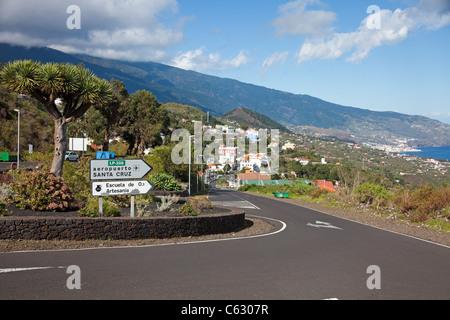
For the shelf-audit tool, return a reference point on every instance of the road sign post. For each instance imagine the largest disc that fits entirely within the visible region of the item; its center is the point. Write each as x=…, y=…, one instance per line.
x=114, y=177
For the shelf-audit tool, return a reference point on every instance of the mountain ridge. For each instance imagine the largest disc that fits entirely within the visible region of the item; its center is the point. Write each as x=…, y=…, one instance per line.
x=221, y=95
x=253, y=119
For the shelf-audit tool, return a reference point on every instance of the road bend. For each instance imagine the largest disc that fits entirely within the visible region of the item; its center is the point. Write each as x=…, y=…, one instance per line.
x=309, y=255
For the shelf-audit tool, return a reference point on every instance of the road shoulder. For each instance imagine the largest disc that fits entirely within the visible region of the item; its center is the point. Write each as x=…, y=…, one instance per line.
x=372, y=219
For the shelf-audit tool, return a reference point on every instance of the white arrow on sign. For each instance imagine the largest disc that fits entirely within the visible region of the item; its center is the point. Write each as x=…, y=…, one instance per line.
x=320, y=224
x=121, y=188
x=118, y=169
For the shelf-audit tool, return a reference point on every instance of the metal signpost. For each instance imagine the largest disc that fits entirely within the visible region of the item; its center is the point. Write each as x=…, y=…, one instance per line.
x=123, y=174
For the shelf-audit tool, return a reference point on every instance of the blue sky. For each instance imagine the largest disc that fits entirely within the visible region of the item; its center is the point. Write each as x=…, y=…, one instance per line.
x=333, y=50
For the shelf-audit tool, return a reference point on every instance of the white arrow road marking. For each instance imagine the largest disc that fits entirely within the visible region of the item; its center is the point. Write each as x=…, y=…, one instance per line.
x=9, y=270
x=236, y=204
x=320, y=224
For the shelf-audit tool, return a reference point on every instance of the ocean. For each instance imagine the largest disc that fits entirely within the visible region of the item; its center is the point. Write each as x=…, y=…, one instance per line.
x=441, y=153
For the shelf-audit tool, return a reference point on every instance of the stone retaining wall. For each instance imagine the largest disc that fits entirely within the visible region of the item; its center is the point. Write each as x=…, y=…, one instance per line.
x=74, y=228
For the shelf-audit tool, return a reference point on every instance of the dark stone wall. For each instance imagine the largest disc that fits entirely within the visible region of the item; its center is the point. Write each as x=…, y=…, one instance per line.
x=51, y=228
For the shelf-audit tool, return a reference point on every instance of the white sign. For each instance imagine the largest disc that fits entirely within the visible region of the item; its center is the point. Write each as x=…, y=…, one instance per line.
x=121, y=188
x=77, y=144
x=115, y=169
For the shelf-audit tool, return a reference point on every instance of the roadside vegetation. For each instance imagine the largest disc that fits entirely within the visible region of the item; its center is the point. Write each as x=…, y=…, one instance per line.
x=88, y=107
x=424, y=205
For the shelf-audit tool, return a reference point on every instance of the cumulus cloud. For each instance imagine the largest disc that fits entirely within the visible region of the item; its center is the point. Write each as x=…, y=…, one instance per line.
x=394, y=27
x=127, y=29
x=200, y=60
x=295, y=19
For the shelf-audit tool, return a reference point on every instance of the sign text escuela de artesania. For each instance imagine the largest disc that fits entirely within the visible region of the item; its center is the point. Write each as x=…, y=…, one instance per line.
x=120, y=188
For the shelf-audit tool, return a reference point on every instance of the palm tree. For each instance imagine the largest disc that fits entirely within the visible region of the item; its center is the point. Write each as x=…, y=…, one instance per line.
x=66, y=91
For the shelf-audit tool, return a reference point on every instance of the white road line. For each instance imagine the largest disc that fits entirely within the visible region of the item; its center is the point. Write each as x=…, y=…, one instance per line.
x=236, y=204
x=283, y=227
x=246, y=201
x=10, y=270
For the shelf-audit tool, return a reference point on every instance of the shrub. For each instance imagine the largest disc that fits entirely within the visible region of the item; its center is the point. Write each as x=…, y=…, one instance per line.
x=42, y=191
x=167, y=202
x=302, y=189
x=142, y=202
x=423, y=202
x=90, y=209
x=76, y=176
x=187, y=209
x=404, y=201
x=200, y=204
x=164, y=181
x=245, y=187
x=5, y=178
x=6, y=194
x=372, y=194
x=317, y=192
x=195, y=205
x=2, y=208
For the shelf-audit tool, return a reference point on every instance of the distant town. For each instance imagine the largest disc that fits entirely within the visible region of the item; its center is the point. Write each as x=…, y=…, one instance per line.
x=255, y=168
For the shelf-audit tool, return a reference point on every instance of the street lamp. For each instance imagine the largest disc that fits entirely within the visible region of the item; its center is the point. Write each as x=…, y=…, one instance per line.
x=196, y=160
x=18, y=136
x=189, y=181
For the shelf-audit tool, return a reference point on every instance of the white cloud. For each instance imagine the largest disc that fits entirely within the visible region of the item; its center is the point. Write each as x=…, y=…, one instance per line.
x=276, y=59
x=126, y=29
x=159, y=37
x=395, y=27
x=200, y=60
x=295, y=19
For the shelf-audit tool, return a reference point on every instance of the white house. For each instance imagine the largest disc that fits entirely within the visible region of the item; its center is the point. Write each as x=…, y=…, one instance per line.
x=258, y=162
x=227, y=154
x=288, y=145
x=302, y=161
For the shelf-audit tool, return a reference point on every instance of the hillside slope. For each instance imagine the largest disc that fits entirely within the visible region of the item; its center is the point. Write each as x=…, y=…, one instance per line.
x=253, y=119
x=219, y=96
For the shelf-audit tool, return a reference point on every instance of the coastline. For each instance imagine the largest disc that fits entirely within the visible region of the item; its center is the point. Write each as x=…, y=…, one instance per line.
x=437, y=153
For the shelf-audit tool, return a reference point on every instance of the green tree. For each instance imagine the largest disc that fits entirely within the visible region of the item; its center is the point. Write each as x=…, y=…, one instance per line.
x=227, y=168
x=101, y=122
x=66, y=91
x=161, y=162
x=143, y=122
x=110, y=112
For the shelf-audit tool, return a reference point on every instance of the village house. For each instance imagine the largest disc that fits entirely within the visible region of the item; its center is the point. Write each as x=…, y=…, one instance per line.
x=326, y=185
x=302, y=161
x=258, y=162
x=242, y=177
x=227, y=155
x=288, y=145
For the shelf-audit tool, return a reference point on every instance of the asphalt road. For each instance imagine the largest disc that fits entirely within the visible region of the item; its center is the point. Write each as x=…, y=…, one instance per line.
x=6, y=166
x=310, y=255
